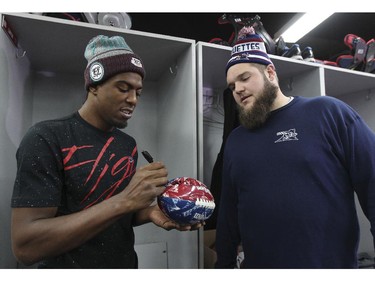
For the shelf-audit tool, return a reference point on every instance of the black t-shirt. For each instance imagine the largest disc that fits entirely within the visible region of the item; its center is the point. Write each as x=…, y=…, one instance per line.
x=69, y=164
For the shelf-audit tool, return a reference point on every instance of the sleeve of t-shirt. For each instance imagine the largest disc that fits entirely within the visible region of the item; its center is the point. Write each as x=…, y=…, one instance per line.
x=39, y=175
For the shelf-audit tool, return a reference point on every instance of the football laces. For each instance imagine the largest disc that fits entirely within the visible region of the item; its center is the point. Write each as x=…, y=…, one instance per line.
x=205, y=203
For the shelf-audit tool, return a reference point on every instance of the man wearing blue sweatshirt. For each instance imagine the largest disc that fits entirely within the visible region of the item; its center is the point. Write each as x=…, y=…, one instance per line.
x=290, y=172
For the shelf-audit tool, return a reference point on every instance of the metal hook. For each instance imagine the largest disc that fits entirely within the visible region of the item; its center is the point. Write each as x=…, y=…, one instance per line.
x=20, y=55
x=173, y=69
x=290, y=84
x=368, y=95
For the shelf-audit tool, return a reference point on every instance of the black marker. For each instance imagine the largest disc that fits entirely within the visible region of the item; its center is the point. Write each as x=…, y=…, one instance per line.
x=147, y=156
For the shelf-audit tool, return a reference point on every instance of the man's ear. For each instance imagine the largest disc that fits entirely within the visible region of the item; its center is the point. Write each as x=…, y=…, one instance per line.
x=271, y=72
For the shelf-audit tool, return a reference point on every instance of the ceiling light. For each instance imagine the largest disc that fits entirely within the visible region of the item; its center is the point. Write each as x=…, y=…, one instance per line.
x=300, y=25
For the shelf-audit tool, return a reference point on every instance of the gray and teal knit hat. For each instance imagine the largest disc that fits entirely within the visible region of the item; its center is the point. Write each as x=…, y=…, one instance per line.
x=108, y=56
x=249, y=48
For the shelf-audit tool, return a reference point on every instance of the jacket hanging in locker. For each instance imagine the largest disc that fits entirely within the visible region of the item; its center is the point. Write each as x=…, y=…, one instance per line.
x=230, y=122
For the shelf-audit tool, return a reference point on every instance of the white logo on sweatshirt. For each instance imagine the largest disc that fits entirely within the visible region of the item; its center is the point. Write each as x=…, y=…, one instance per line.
x=289, y=135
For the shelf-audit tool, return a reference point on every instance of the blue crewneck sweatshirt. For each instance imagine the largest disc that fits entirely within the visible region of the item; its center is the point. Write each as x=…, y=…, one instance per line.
x=288, y=188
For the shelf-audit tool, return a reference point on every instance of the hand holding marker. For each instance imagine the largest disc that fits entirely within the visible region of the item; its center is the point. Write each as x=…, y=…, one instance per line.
x=147, y=156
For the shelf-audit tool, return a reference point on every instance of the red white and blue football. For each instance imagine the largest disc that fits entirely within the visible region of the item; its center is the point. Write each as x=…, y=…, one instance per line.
x=186, y=201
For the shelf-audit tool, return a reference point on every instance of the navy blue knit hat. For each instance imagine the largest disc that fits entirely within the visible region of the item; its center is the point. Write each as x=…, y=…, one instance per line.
x=108, y=56
x=249, y=48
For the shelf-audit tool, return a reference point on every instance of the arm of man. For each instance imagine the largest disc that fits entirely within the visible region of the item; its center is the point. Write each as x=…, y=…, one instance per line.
x=362, y=168
x=37, y=233
x=227, y=229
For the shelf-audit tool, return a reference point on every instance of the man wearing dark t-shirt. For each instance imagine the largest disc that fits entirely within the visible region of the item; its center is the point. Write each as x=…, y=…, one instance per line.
x=77, y=193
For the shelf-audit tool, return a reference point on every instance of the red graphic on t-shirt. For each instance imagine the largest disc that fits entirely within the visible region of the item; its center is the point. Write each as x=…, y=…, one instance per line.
x=124, y=165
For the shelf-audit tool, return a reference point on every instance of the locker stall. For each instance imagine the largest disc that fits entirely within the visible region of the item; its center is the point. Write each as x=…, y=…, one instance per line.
x=296, y=78
x=42, y=78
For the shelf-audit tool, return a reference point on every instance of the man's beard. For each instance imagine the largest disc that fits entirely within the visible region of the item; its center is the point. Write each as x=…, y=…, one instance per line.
x=121, y=125
x=259, y=112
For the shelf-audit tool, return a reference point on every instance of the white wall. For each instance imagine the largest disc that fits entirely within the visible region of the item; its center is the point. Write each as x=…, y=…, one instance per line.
x=14, y=90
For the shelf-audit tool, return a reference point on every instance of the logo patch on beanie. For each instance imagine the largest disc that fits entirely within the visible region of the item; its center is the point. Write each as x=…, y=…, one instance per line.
x=96, y=71
x=136, y=62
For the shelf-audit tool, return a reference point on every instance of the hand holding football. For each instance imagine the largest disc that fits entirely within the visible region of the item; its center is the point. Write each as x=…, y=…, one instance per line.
x=186, y=201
